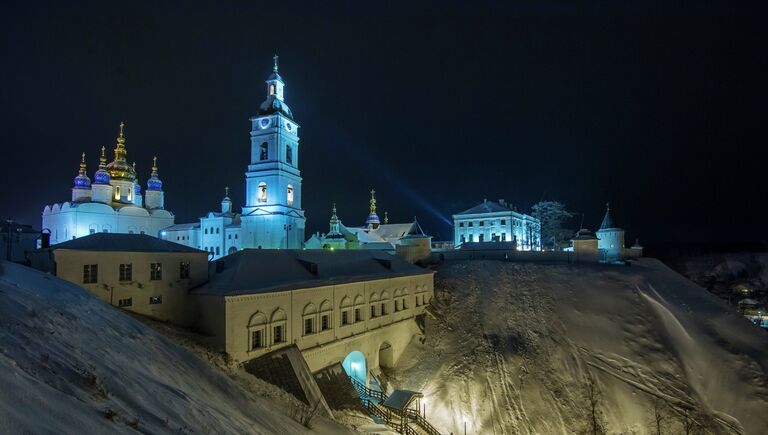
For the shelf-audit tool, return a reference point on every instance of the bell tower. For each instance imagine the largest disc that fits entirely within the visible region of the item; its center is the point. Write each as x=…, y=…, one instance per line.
x=272, y=217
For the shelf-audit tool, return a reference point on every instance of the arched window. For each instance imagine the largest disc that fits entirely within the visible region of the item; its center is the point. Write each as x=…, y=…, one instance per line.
x=257, y=331
x=289, y=154
x=264, y=153
x=262, y=192
x=309, y=319
x=272, y=89
x=231, y=250
x=278, y=323
x=326, y=321
x=117, y=193
x=217, y=250
x=290, y=194
x=206, y=231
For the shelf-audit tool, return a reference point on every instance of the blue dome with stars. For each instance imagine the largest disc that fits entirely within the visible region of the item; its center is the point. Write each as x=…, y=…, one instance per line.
x=102, y=175
x=154, y=182
x=82, y=181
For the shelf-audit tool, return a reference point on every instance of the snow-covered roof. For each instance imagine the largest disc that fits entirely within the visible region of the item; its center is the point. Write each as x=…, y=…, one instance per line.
x=400, y=399
x=485, y=207
x=252, y=271
x=608, y=221
x=122, y=243
x=183, y=227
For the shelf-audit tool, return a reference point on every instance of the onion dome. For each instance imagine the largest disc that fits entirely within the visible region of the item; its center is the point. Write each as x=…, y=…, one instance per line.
x=335, y=226
x=82, y=181
x=119, y=169
x=154, y=182
x=274, y=102
x=373, y=218
x=102, y=175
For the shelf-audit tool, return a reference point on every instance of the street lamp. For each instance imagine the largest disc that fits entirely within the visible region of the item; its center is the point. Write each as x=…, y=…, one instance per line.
x=287, y=228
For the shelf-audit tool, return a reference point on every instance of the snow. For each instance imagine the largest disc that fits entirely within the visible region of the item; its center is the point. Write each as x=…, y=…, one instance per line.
x=70, y=363
x=511, y=346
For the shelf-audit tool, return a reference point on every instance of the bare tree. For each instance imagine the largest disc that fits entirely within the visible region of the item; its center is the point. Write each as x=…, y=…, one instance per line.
x=593, y=398
x=659, y=416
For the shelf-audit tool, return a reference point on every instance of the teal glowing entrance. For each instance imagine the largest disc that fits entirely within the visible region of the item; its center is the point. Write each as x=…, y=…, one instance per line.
x=354, y=365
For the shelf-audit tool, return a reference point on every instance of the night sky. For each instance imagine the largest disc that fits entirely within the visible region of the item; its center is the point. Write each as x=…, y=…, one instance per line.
x=660, y=110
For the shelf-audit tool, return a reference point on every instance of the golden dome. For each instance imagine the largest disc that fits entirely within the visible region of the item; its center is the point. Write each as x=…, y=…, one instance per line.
x=119, y=168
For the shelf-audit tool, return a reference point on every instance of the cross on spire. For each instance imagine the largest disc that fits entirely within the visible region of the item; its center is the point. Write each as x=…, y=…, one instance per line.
x=274, y=58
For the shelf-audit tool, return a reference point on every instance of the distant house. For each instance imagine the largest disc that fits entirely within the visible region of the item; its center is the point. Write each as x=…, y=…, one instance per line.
x=136, y=272
x=17, y=240
x=492, y=221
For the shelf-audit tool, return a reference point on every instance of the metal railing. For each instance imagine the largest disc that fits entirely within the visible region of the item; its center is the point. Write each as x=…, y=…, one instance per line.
x=397, y=420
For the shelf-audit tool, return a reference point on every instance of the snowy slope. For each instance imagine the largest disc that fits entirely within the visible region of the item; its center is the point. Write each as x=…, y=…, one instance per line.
x=513, y=345
x=72, y=364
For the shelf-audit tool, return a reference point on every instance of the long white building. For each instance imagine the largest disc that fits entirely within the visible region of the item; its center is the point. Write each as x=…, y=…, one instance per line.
x=492, y=221
x=112, y=203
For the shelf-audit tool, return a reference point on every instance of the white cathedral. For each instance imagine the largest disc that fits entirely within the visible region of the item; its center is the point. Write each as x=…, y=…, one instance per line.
x=272, y=217
x=112, y=203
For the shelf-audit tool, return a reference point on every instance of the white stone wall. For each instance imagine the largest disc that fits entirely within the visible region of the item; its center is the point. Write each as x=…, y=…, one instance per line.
x=71, y=220
x=403, y=298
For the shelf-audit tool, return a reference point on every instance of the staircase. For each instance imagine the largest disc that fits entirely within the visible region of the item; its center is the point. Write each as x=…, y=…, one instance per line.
x=400, y=421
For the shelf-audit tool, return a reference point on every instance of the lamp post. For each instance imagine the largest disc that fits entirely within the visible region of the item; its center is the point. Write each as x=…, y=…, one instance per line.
x=287, y=228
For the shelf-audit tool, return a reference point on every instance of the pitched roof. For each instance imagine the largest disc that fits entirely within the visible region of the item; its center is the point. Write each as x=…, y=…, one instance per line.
x=486, y=207
x=608, y=221
x=122, y=243
x=182, y=227
x=253, y=271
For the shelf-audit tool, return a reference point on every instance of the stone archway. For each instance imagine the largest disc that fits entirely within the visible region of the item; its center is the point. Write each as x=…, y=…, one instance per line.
x=354, y=365
x=386, y=355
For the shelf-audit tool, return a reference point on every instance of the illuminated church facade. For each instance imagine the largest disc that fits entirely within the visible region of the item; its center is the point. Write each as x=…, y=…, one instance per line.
x=272, y=217
x=110, y=203
x=375, y=234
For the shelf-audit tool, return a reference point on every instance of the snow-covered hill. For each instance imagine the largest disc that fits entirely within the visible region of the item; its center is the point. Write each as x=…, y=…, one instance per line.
x=71, y=364
x=512, y=349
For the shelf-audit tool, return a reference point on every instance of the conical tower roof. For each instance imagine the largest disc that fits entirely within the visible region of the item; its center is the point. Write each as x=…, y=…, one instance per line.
x=608, y=219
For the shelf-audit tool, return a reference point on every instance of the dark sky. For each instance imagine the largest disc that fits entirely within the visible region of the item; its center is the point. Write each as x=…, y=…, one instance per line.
x=658, y=109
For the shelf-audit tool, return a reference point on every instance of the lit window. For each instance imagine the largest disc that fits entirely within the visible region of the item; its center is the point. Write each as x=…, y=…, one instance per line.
x=290, y=194
x=117, y=192
x=262, y=192
x=154, y=300
x=130, y=194
x=155, y=271
x=272, y=89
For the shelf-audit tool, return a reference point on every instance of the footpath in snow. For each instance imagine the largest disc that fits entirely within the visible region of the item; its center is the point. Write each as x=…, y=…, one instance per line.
x=512, y=347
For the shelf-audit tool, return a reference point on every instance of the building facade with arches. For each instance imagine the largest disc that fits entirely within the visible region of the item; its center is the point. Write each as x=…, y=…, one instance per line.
x=327, y=303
